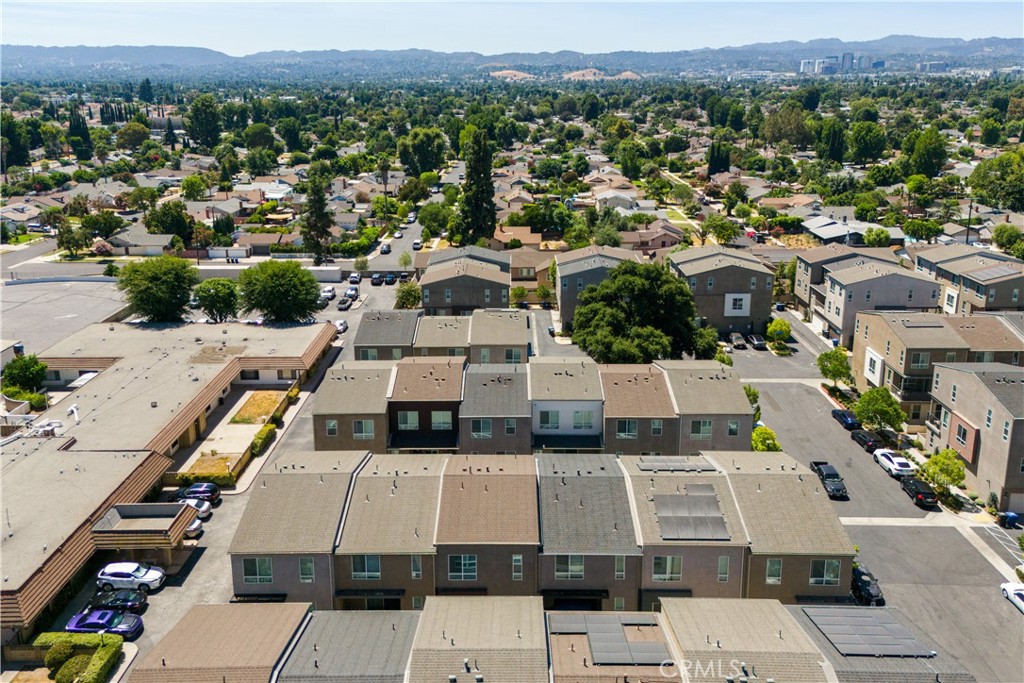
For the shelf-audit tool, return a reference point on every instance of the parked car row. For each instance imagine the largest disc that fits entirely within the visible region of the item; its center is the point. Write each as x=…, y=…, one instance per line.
x=756, y=341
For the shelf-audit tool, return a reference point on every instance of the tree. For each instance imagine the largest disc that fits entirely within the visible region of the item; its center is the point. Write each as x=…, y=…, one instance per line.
x=283, y=291
x=718, y=158
x=132, y=135
x=477, y=217
x=544, y=293
x=53, y=139
x=72, y=239
x=754, y=398
x=867, y=142
x=877, y=408
x=317, y=223
x=203, y=121
x=640, y=312
x=158, y=288
x=764, y=440
x=102, y=224
x=1006, y=235
x=146, y=91
x=260, y=161
x=990, y=132
x=717, y=225
x=834, y=365
x=705, y=343
x=218, y=298
x=945, y=469
x=778, y=331
x=422, y=150
x=930, y=153
x=361, y=264
x=407, y=295
x=877, y=237
x=194, y=188
x=258, y=135
x=519, y=294
x=922, y=229
x=1000, y=181
x=404, y=260
x=630, y=153
x=607, y=236
x=787, y=124
x=170, y=218
x=291, y=132
x=25, y=372
x=435, y=217
x=831, y=140
x=735, y=194
x=141, y=198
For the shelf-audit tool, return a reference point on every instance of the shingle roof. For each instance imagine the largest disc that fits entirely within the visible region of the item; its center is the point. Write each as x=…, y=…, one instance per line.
x=705, y=387
x=436, y=331
x=1003, y=381
x=387, y=328
x=632, y=390
x=613, y=253
x=217, y=643
x=428, y=379
x=297, y=509
x=502, y=637
x=584, y=506
x=474, y=253
x=874, y=270
x=495, y=390
x=461, y=268
x=355, y=388
x=705, y=259
x=564, y=379
x=492, y=327
x=489, y=499
x=987, y=332
x=917, y=330
x=353, y=647
x=394, y=506
x=586, y=264
x=762, y=634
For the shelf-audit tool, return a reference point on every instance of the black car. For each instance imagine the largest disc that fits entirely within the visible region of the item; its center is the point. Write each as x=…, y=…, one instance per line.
x=390, y=279
x=121, y=600
x=199, y=491
x=323, y=302
x=551, y=331
x=869, y=441
x=344, y=303
x=403, y=277
x=923, y=494
x=376, y=279
x=865, y=587
x=846, y=418
x=385, y=248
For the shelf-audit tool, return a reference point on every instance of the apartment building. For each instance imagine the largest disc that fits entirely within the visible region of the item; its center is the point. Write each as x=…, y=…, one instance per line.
x=580, y=268
x=567, y=405
x=973, y=280
x=811, y=265
x=461, y=286
x=386, y=335
x=731, y=289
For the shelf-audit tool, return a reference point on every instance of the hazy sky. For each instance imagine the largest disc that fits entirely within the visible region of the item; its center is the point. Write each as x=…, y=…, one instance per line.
x=240, y=27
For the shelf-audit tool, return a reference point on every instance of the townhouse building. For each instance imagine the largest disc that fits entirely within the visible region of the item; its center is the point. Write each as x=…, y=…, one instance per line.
x=386, y=335
x=808, y=289
x=495, y=413
x=567, y=405
x=580, y=268
x=973, y=280
x=731, y=289
x=423, y=405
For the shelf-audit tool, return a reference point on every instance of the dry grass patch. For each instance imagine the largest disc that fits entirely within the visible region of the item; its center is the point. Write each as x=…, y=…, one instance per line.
x=259, y=407
x=801, y=241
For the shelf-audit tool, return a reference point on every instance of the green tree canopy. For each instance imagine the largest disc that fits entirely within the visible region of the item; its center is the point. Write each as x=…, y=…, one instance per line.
x=158, y=288
x=831, y=140
x=317, y=222
x=944, y=469
x=1000, y=181
x=25, y=372
x=258, y=135
x=477, y=217
x=764, y=440
x=203, y=121
x=194, y=188
x=218, y=298
x=103, y=224
x=867, y=142
x=834, y=365
x=422, y=150
x=877, y=237
x=407, y=295
x=930, y=153
x=778, y=330
x=170, y=218
x=639, y=313
x=754, y=397
x=132, y=135
x=283, y=291
x=922, y=229
x=1006, y=235
x=877, y=408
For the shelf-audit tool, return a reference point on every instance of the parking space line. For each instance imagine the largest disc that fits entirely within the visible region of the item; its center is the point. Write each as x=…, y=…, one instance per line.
x=1006, y=541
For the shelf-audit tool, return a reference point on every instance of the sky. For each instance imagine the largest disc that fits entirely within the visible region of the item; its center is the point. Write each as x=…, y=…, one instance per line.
x=240, y=27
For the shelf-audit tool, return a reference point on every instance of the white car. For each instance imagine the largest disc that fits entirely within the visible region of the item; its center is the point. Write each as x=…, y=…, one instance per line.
x=1014, y=592
x=194, y=529
x=328, y=292
x=141, y=577
x=398, y=234
x=202, y=507
x=341, y=326
x=894, y=463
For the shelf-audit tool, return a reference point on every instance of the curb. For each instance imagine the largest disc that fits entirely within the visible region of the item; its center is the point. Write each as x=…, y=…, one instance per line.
x=130, y=652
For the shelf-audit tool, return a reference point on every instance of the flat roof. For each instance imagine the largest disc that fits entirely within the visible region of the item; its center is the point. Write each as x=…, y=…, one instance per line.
x=564, y=379
x=451, y=331
x=348, y=647
x=428, y=379
x=488, y=499
x=211, y=643
x=495, y=390
x=502, y=637
x=394, y=506
x=41, y=314
x=496, y=327
x=355, y=387
x=387, y=328
x=636, y=390
x=705, y=387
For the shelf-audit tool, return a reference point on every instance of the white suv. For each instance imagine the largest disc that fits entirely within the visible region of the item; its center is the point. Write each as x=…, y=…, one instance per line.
x=142, y=577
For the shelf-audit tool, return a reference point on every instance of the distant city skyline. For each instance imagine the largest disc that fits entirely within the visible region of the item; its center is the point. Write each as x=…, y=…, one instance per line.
x=240, y=28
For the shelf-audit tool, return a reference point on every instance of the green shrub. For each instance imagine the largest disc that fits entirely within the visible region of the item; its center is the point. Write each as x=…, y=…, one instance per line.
x=293, y=394
x=60, y=652
x=220, y=478
x=103, y=662
x=263, y=439
x=36, y=401
x=73, y=668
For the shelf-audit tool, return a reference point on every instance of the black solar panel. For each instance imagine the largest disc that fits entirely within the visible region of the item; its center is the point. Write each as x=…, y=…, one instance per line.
x=866, y=632
x=606, y=636
x=693, y=516
x=670, y=464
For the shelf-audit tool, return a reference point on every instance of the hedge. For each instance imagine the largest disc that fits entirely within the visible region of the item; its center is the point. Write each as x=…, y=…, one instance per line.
x=103, y=660
x=72, y=671
x=263, y=439
x=293, y=394
x=57, y=655
x=36, y=401
x=221, y=476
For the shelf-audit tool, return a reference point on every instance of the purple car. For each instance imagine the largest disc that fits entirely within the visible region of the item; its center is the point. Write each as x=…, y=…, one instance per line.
x=108, y=621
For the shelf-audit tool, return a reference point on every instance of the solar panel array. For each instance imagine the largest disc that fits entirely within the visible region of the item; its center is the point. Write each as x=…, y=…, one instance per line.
x=665, y=464
x=693, y=516
x=606, y=636
x=866, y=632
x=993, y=272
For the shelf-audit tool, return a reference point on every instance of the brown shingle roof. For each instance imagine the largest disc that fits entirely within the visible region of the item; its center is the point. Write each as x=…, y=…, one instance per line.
x=489, y=499
x=631, y=390
x=428, y=379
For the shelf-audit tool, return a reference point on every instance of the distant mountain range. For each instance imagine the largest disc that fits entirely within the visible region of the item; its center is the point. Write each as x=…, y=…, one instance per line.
x=25, y=61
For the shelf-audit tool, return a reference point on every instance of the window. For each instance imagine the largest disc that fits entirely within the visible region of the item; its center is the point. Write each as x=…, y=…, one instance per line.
x=872, y=365
x=366, y=566
x=902, y=356
x=887, y=345
x=952, y=394
x=945, y=417
x=408, y=420
x=417, y=602
x=984, y=356
x=287, y=374
x=1022, y=464
x=417, y=566
x=711, y=283
x=1006, y=431
x=306, y=571
x=773, y=572
x=910, y=295
x=362, y=429
x=583, y=419
x=367, y=354
x=1015, y=295
x=454, y=353
x=915, y=411
x=440, y=420
x=620, y=567
x=513, y=356
x=961, y=435
x=768, y=283
x=657, y=427
x=53, y=375
x=856, y=326
x=937, y=378
x=723, y=568
x=867, y=295
x=950, y=299
x=517, y=567
x=257, y=570
x=693, y=283
x=619, y=603
x=480, y=428
x=700, y=429
x=504, y=296
x=447, y=296
x=849, y=295
x=935, y=294
x=992, y=294
x=485, y=355
x=332, y=427
x=737, y=303
x=734, y=427
x=988, y=419
x=565, y=283
x=667, y=568
x=549, y=419
x=825, y=572
x=1015, y=359
x=753, y=283
x=250, y=374
x=866, y=326
x=579, y=283
x=950, y=356
x=462, y=567
x=919, y=360
x=426, y=295
x=626, y=429
x=396, y=354
x=568, y=566
x=510, y=426
x=487, y=296
x=838, y=313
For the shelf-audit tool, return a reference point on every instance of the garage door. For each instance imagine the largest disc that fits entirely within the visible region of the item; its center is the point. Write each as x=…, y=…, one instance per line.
x=1016, y=502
